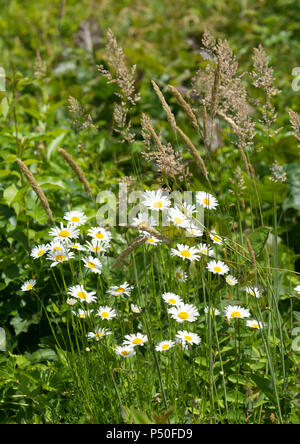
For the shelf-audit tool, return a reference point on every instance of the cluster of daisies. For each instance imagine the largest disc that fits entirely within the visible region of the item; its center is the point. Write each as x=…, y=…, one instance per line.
x=64, y=243
x=183, y=218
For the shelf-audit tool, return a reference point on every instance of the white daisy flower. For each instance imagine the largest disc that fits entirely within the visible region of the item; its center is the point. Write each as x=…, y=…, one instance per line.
x=236, y=311
x=297, y=289
x=135, y=339
x=254, y=324
x=206, y=200
x=39, y=251
x=181, y=344
x=75, y=218
x=231, y=280
x=135, y=308
x=212, y=311
x=59, y=256
x=98, y=334
x=254, y=291
x=99, y=234
x=76, y=246
x=142, y=218
x=64, y=234
x=121, y=290
x=172, y=298
x=28, y=285
x=177, y=218
x=205, y=250
x=152, y=240
x=106, y=313
x=96, y=247
x=82, y=314
x=164, y=346
x=155, y=200
x=193, y=231
x=180, y=274
x=187, y=209
x=185, y=252
x=55, y=246
x=184, y=312
x=188, y=337
x=71, y=301
x=93, y=264
x=78, y=291
x=217, y=267
x=125, y=351
x=216, y=238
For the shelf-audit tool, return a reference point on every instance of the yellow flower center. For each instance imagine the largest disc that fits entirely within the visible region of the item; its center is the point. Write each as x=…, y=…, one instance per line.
x=206, y=201
x=125, y=352
x=218, y=269
x=188, y=338
x=255, y=326
x=217, y=238
x=204, y=251
x=91, y=265
x=165, y=346
x=120, y=290
x=75, y=219
x=172, y=301
x=235, y=314
x=99, y=235
x=99, y=335
x=185, y=253
x=74, y=246
x=183, y=315
x=178, y=220
x=137, y=341
x=64, y=233
x=57, y=248
x=104, y=314
x=251, y=292
x=178, y=275
x=157, y=204
x=29, y=287
x=39, y=253
x=81, y=295
x=151, y=240
x=97, y=249
x=60, y=257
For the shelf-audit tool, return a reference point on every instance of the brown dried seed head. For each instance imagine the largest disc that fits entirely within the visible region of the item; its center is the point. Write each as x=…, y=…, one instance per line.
x=36, y=188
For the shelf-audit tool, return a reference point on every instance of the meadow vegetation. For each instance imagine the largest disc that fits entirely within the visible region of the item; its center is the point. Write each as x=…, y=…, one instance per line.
x=187, y=311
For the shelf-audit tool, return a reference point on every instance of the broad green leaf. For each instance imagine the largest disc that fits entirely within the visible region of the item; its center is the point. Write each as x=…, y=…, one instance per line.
x=266, y=386
x=10, y=194
x=5, y=173
x=44, y=354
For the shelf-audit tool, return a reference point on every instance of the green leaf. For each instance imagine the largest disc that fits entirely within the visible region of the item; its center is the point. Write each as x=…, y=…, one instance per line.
x=4, y=173
x=10, y=194
x=258, y=239
x=21, y=325
x=266, y=386
x=43, y=354
x=54, y=144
